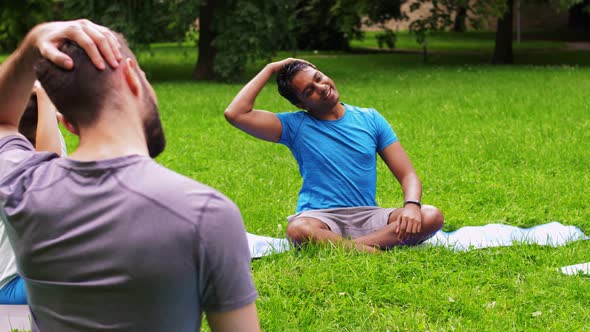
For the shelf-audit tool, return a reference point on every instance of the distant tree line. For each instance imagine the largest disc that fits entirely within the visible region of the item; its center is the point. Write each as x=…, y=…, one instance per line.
x=232, y=32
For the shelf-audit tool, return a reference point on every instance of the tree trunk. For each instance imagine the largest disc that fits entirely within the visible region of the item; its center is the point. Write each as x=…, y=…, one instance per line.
x=503, y=48
x=459, y=25
x=579, y=18
x=204, y=68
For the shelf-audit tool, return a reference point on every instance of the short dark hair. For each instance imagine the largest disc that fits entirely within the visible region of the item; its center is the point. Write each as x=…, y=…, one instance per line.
x=28, y=122
x=80, y=93
x=285, y=78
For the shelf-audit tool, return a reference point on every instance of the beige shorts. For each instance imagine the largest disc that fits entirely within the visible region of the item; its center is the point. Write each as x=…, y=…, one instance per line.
x=350, y=222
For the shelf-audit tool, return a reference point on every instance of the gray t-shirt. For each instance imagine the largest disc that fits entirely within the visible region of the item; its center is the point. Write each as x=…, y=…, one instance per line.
x=122, y=244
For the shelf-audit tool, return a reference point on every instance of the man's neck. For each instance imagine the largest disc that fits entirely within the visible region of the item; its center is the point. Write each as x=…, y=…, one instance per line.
x=111, y=139
x=335, y=113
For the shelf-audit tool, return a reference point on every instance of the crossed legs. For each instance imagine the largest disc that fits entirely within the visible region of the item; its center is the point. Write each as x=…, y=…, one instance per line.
x=305, y=229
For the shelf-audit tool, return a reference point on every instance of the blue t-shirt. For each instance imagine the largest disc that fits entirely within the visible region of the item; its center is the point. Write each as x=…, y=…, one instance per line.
x=337, y=158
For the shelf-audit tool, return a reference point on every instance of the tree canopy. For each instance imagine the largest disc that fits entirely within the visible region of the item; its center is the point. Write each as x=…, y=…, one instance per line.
x=233, y=32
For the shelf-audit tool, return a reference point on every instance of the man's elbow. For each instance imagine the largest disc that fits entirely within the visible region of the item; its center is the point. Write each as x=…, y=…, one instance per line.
x=230, y=116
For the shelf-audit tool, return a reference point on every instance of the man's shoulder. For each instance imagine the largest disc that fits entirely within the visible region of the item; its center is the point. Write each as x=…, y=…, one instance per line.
x=17, y=153
x=172, y=189
x=156, y=176
x=292, y=115
x=15, y=142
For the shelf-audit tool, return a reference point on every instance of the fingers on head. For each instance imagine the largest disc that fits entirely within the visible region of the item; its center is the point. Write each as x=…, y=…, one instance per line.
x=54, y=55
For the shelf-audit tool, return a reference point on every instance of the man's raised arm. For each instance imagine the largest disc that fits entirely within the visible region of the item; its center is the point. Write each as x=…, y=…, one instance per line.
x=241, y=113
x=17, y=73
x=48, y=137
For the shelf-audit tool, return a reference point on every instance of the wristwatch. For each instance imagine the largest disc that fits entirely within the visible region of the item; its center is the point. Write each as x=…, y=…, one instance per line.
x=413, y=202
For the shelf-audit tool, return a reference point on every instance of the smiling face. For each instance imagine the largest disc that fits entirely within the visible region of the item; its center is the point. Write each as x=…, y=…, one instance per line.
x=317, y=92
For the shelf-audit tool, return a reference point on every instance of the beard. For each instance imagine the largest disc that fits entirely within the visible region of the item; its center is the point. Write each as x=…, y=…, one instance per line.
x=154, y=133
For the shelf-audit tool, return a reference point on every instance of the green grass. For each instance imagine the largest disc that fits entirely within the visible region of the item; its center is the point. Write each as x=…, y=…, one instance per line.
x=491, y=145
x=448, y=41
x=506, y=144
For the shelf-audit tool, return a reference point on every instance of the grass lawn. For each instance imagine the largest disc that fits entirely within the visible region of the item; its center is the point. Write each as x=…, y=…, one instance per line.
x=505, y=144
x=491, y=144
x=449, y=41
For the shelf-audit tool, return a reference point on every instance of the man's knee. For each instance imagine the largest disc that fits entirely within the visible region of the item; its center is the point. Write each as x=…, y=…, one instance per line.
x=301, y=230
x=432, y=218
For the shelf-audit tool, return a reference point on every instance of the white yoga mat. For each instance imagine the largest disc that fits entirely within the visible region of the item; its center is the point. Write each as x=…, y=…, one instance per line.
x=264, y=245
x=465, y=238
x=15, y=317
x=498, y=235
x=583, y=268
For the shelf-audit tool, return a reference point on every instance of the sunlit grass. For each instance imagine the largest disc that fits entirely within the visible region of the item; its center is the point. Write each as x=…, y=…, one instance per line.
x=491, y=145
x=449, y=41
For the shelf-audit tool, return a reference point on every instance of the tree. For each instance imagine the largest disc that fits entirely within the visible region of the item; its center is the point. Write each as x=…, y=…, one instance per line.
x=326, y=24
x=579, y=16
x=331, y=24
x=18, y=17
x=166, y=20
x=476, y=12
x=443, y=14
x=378, y=12
x=204, y=67
x=244, y=30
x=503, y=53
x=231, y=31
x=460, y=19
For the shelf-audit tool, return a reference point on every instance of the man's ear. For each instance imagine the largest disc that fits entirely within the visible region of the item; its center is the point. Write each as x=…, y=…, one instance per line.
x=70, y=126
x=131, y=76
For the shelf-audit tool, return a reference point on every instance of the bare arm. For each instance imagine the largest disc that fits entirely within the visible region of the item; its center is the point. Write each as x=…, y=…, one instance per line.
x=244, y=319
x=17, y=73
x=16, y=80
x=47, y=137
x=397, y=160
x=241, y=113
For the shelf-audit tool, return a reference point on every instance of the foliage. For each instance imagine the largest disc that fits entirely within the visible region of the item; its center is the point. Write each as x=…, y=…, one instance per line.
x=441, y=13
x=378, y=12
x=326, y=24
x=142, y=22
x=386, y=38
x=249, y=30
x=331, y=25
x=18, y=17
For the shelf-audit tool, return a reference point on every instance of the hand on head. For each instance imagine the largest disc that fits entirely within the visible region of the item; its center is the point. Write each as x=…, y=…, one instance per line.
x=98, y=42
x=278, y=65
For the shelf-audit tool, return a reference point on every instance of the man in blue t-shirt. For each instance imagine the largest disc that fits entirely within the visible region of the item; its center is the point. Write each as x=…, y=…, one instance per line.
x=335, y=145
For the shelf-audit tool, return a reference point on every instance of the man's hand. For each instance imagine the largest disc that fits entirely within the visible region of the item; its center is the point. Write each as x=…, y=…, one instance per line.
x=258, y=123
x=17, y=73
x=409, y=222
x=276, y=66
x=99, y=42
